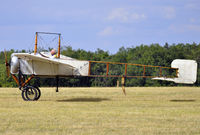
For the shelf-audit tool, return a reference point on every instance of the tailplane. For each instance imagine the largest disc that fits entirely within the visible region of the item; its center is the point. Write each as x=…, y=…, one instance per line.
x=187, y=71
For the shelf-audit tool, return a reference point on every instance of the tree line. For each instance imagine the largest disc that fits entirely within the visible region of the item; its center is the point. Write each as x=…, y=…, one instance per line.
x=153, y=54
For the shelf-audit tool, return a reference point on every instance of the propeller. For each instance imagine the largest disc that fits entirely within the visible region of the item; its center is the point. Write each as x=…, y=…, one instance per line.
x=7, y=64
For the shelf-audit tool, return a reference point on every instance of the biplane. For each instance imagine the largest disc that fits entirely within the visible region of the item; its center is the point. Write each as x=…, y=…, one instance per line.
x=23, y=67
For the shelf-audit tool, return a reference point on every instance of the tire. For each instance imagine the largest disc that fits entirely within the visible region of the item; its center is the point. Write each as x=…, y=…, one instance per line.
x=31, y=93
x=38, y=93
x=24, y=95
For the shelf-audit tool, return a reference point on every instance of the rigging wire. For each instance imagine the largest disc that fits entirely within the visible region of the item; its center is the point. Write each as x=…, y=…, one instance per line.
x=31, y=45
x=64, y=44
x=46, y=43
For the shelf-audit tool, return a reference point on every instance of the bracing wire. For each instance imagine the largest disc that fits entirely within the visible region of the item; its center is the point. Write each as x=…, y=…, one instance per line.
x=53, y=40
x=44, y=44
x=63, y=42
x=31, y=45
x=47, y=43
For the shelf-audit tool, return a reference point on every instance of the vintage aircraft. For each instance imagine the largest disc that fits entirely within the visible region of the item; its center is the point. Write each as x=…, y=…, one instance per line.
x=41, y=64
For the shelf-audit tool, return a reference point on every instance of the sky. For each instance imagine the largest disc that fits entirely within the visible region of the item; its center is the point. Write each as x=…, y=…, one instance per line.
x=104, y=24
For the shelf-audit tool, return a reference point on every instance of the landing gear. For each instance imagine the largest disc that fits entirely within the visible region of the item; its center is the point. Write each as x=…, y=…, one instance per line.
x=38, y=93
x=30, y=93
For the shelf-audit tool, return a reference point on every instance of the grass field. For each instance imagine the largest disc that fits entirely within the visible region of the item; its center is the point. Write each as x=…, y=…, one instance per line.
x=145, y=110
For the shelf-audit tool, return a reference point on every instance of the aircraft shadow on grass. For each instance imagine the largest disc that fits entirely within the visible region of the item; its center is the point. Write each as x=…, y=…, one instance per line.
x=182, y=100
x=83, y=100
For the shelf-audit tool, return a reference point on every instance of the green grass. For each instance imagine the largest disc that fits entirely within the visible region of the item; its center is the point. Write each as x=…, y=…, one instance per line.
x=145, y=110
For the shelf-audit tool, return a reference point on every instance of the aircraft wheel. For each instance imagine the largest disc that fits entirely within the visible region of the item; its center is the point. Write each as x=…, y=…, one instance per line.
x=38, y=93
x=30, y=93
x=24, y=96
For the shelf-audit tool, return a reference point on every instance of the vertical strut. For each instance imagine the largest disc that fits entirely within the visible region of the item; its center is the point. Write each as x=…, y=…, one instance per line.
x=57, y=83
x=144, y=72
x=59, y=47
x=160, y=71
x=89, y=72
x=125, y=69
x=19, y=76
x=107, y=69
x=35, y=51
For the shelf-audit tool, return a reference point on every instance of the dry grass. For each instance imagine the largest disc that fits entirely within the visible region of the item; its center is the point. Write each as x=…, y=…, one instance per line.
x=102, y=111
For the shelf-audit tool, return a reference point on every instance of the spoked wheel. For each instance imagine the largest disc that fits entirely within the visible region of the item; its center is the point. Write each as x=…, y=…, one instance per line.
x=38, y=93
x=24, y=95
x=30, y=93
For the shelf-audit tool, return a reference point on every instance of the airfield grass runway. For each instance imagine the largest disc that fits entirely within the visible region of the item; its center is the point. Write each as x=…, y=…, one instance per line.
x=83, y=111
